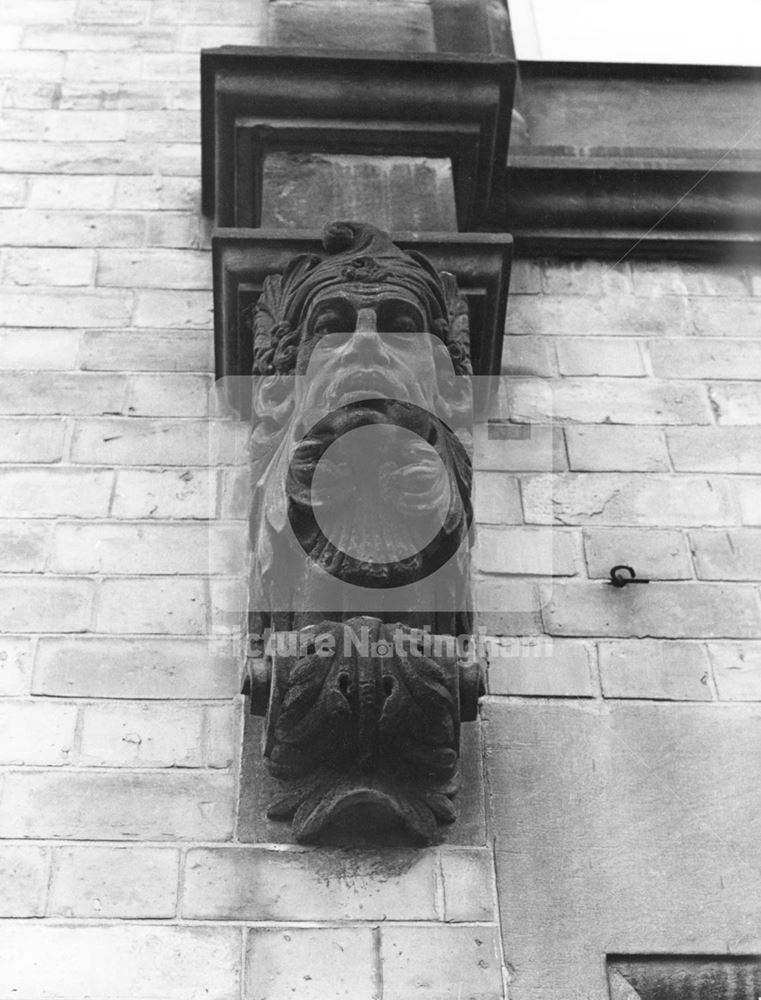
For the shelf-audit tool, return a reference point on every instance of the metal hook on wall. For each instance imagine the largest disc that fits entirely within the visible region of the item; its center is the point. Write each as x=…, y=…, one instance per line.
x=621, y=575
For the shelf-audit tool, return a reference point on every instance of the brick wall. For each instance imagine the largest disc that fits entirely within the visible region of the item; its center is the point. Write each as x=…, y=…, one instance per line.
x=122, y=532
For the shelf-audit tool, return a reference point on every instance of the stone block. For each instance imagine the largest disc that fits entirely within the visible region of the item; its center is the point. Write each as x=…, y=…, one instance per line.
x=518, y=447
x=736, y=402
x=158, y=194
x=542, y=668
x=600, y=356
x=669, y=671
x=496, y=498
x=616, y=448
x=653, y=553
x=585, y=277
x=177, y=309
x=37, y=439
x=45, y=604
x=65, y=393
x=141, y=441
x=150, y=668
x=222, y=733
x=441, y=963
x=142, y=735
x=52, y=962
x=52, y=228
x=257, y=884
x=528, y=355
x=468, y=880
x=311, y=963
x=657, y=500
x=24, y=873
x=117, y=805
x=23, y=545
x=508, y=607
x=165, y=493
x=596, y=315
x=526, y=551
x=749, y=496
x=15, y=666
x=715, y=449
x=664, y=610
x=72, y=192
x=137, y=350
x=737, y=670
x=165, y=269
x=22, y=266
x=621, y=828
x=39, y=349
x=727, y=555
x=36, y=733
x=347, y=24
x=683, y=278
x=706, y=359
x=173, y=605
x=168, y=395
x=125, y=882
x=726, y=317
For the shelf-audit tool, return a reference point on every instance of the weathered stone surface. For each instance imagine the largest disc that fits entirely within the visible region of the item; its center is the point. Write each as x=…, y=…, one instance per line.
x=348, y=24
x=519, y=447
x=24, y=872
x=142, y=735
x=441, y=963
x=616, y=448
x=542, y=668
x=707, y=359
x=67, y=963
x=600, y=356
x=671, y=671
x=468, y=883
x=15, y=665
x=727, y=555
x=496, y=498
x=654, y=553
x=129, y=882
x=669, y=610
x=253, y=883
x=715, y=449
x=92, y=805
x=37, y=733
x=586, y=802
x=527, y=551
x=313, y=963
x=736, y=402
x=737, y=669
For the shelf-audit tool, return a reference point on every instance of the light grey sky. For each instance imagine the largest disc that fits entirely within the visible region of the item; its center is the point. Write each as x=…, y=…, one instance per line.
x=668, y=31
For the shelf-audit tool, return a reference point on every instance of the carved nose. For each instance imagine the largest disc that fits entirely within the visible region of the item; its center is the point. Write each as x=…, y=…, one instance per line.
x=366, y=321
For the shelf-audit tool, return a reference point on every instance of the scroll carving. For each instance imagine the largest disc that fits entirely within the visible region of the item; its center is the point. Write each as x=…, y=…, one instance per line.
x=360, y=525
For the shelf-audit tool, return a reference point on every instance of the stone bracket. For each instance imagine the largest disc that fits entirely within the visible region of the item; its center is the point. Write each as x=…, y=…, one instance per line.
x=244, y=257
x=258, y=100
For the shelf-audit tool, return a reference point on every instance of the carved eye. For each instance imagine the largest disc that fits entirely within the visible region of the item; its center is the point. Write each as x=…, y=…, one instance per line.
x=333, y=319
x=399, y=317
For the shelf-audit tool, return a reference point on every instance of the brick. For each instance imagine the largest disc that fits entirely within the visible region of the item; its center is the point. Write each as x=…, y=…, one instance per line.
x=148, y=548
x=525, y=277
x=526, y=551
x=715, y=449
x=600, y=356
x=528, y=356
x=52, y=962
x=508, y=607
x=39, y=349
x=62, y=229
x=170, y=66
x=222, y=734
x=142, y=735
x=496, y=499
x=37, y=604
x=195, y=37
x=172, y=125
x=709, y=359
x=179, y=158
x=117, y=805
x=726, y=317
x=126, y=882
x=65, y=308
x=666, y=671
x=158, y=193
x=614, y=448
x=62, y=393
x=619, y=401
x=47, y=157
x=181, y=269
x=736, y=402
x=654, y=553
x=47, y=267
x=313, y=963
x=31, y=439
x=24, y=872
x=81, y=126
x=165, y=493
x=32, y=65
x=737, y=670
x=129, y=95
x=11, y=37
x=131, y=350
x=660, y=610
x=12, y=191
x=55, y=492
x=99, y=667
x=103, y=12
x=235, y=492
x=15, y=666
x=33, y=94
x=23, y=125
x=46, y=11
x=468, y=881
x=544, y=668
x=141, y=441
x=202, y=12
x=727, y=555
x=169, y=395
x=666, y=278
x=441, y=963
x=749, y=496
x=261, y=884
x=89, y=192
x=92, y=39
x=174, y=605
x=36, y=732
x=23, y=546
x=95, y=66
x=518, y=447
x=661, y=501
x=175, y=309
x=605, y=316
x=173, y=229
x=585, y=277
